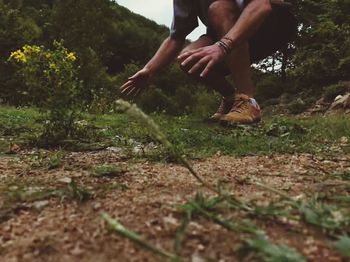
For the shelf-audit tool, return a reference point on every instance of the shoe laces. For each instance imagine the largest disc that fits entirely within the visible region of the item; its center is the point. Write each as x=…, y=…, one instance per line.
x=225, y=106
x=240, y=105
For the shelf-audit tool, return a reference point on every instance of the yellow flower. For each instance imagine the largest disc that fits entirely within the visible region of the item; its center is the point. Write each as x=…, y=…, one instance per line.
x=53, y=67
x=31, y=49
x=48, y=55
x=19, y=56
x=71, y=56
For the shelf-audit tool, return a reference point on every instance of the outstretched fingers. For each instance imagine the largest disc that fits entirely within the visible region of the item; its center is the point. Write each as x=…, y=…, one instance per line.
x=207, y=69
x=200, y=64
x=187, y=54
x=124, y=88
x=132, y=90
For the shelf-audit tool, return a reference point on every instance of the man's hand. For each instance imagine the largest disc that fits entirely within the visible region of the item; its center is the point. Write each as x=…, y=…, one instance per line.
x=137, y=83
x=205, y=57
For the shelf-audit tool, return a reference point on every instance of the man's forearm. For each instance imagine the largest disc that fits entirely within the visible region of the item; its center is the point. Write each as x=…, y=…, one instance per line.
x=250, y=20
x=165, y=54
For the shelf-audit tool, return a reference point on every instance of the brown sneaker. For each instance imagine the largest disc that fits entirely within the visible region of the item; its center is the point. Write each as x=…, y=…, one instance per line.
x=245, y=110
x=224, y=108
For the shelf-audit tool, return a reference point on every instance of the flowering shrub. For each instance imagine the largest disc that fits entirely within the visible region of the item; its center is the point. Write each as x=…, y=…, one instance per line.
x=53, y=86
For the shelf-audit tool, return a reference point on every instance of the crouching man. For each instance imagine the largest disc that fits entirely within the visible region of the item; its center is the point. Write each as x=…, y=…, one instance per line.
x=239, y=33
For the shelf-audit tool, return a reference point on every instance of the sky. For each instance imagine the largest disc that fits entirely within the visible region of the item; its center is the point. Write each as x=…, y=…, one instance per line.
x=160, y=11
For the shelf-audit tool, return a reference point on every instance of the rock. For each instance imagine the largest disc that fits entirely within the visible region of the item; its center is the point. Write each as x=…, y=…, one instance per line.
x=338, y=98
x=341, y=103
x=115, y=149
x=320, y=107
x=65, y=180
x=197, y=258
x=40, y=204
x=97, y=206
x=344, y=140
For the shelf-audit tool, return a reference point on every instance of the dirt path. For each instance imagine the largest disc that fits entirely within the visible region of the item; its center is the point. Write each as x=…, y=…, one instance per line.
x=145, y=198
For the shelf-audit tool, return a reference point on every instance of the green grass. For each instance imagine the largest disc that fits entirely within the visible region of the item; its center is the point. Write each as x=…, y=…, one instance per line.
x=327, y=213
x=195, y=136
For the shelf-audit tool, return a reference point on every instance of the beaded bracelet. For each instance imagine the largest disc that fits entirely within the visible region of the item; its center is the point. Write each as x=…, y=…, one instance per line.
x=231, y=42
x=223, y=46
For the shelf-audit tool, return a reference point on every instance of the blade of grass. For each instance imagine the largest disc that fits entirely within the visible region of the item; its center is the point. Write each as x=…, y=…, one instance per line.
x=124, y=232
x=270, y=252
x=135, y=112
x=236, y=227
x=180, y=233
x=315, y=213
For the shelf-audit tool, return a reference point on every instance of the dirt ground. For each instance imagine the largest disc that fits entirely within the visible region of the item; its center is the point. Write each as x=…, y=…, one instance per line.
x=145, y=199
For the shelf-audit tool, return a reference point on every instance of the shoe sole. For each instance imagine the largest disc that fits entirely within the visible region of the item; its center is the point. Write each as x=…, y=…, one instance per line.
x=233, y=124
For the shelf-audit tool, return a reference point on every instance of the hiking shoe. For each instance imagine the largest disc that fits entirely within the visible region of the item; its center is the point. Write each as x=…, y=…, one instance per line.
x=245, y=110
x=224, y=108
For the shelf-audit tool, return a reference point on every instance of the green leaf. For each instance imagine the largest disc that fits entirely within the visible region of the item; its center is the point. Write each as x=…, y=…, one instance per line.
x=270, y=252
x=343, y=246
x=121, y=230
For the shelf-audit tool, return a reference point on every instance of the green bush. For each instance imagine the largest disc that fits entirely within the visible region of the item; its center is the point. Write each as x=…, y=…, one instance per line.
x=206, y=103
x=53, y=86
x=268, y=86
x=297, y=107
x=332, y=91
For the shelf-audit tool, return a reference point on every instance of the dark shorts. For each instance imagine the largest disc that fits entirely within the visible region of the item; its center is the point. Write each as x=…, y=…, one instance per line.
x=279, y=29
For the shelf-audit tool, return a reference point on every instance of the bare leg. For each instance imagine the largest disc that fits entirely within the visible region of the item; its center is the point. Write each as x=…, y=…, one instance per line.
x=223, y=15
x=214, y=79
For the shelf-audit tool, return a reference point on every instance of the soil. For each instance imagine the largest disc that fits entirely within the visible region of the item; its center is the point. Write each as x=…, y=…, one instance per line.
x=146, y=200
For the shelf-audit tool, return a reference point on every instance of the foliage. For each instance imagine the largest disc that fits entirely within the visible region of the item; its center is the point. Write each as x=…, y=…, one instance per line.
x=194, y=135
x=270, y=252
x=104, y=47
x=123, y=231
x=318, y=57
x=343, y=246
x=298, y=106
x=52, y=84
x=55, y=160
x=332, y=91
x=322, y=48
x=155, y=131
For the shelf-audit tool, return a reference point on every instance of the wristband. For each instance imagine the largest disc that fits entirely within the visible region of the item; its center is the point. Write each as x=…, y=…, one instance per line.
x=224, y=47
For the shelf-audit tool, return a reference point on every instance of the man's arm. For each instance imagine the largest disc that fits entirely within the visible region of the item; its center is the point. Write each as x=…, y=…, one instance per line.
x=164, y=56
x=249, y=21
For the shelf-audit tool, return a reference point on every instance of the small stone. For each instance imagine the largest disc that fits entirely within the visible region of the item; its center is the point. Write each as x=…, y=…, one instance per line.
x=65, y=180
x=170, y=220
x=197, y=258
x=77, y=251
x=40, y=204
x=200, y=247
x=344, y=140
x=115, y=149
x=97, y=206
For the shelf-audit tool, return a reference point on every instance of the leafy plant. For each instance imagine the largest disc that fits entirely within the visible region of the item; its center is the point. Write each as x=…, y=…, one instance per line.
x=316, y=213
x=51, y=79
x=343, y=246
x=325, y=216
x=55, y=160
x=154, y=130
x=123, y=231
x=332, y=91
x=76, y=192
x=269, y=252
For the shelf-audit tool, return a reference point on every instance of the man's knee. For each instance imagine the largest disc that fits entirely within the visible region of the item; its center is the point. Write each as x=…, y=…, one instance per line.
x=222, y=10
